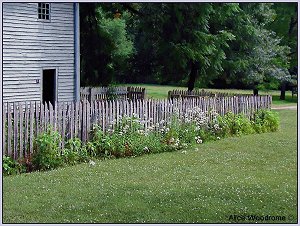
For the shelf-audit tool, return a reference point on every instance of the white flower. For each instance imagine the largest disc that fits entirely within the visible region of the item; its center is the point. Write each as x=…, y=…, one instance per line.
x=199, y=141
x=145, y=149
x=183, y=152
x=196, y=149
x=92, y=163
x=141, y=132
x=218, y=138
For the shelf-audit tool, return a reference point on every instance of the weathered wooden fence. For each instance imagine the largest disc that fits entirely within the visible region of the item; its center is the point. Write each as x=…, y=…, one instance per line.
x=199, y=93
x=22, y=122
x=108, y=93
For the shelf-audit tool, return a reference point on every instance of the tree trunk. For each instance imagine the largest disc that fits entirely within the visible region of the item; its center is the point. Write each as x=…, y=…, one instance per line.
x=282, y=91
x=193, y=75
x=255, y=91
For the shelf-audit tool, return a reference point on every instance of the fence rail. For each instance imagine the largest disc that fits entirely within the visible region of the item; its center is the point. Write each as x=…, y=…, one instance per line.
x=199, y=93
x=22, y=122
x=106, y=93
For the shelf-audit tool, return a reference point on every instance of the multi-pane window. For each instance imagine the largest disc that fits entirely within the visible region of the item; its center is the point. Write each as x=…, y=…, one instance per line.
x=44, y=11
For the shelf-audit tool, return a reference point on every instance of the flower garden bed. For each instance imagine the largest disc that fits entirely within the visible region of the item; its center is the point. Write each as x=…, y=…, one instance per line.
x=129, y=138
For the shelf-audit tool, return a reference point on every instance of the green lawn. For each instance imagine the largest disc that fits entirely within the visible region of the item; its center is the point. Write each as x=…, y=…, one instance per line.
x=254, y=174
x=160, y=92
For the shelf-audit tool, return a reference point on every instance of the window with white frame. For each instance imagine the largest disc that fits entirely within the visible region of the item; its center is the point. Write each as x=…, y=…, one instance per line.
x=44, y=11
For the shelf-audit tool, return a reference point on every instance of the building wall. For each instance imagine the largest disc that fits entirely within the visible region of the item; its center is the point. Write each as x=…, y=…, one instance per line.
x=30, y=45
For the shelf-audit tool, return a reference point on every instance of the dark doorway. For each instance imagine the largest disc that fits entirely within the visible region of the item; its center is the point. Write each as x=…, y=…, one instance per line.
x=49, y=86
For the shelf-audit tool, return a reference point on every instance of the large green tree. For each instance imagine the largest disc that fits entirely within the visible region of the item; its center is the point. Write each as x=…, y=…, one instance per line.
x=179, y=41
x=182, y=43
x=256, y=54
x=285, y=25
x=105, y=44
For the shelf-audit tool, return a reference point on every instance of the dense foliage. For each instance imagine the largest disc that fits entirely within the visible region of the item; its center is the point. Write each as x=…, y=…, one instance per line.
x=203, y=44
x=128, y=138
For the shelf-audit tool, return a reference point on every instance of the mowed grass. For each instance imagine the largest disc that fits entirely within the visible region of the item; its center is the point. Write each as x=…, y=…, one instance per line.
x=161, y=92
x=254, y=174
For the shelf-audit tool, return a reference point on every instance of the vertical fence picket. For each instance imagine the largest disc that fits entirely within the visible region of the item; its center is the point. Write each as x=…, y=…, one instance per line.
x=26, y=129
x=84, y=121
x=51, y=117
x=111, y=114
x=9, y=129
x=102, y=114
x=21, y=129
x=59, y=118
x=31, y=129
x=117, y=112
x=72, y=120
x=4, y=135
x=42, y=115
x=46, y=115
x=63, y=115
x=88, y=120
x=80, y=120
x=145, y=113
x=55, y=116
x=76, y=119
x=67, y=115
x=16, y=121
x=96, y=114
x=36, y=117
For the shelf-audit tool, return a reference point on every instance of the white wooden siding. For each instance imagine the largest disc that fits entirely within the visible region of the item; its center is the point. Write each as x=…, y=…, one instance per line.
x=30, y=44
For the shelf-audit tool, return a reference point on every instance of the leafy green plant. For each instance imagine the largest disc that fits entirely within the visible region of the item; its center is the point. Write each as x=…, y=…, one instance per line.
x=139, y=144
x=74, y=152
x=90, y=149
x=101, y=143
x=11, y=167
x=266, y=121
x=47, y=152
x=232, y=124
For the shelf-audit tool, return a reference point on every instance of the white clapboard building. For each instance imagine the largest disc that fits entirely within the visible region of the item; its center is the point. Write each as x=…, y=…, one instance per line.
x=40, y=52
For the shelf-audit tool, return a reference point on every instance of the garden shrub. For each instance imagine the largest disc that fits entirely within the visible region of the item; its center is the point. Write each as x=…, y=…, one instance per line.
x=102, y=144
x=11, y=166
x=74, y=152
x=90, y=149
x=266, y=121
x=47, y=152
x=232, y=124
x=205, y=135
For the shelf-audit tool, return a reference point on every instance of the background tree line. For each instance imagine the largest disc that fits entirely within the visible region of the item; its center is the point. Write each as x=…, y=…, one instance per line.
x=221, y=45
